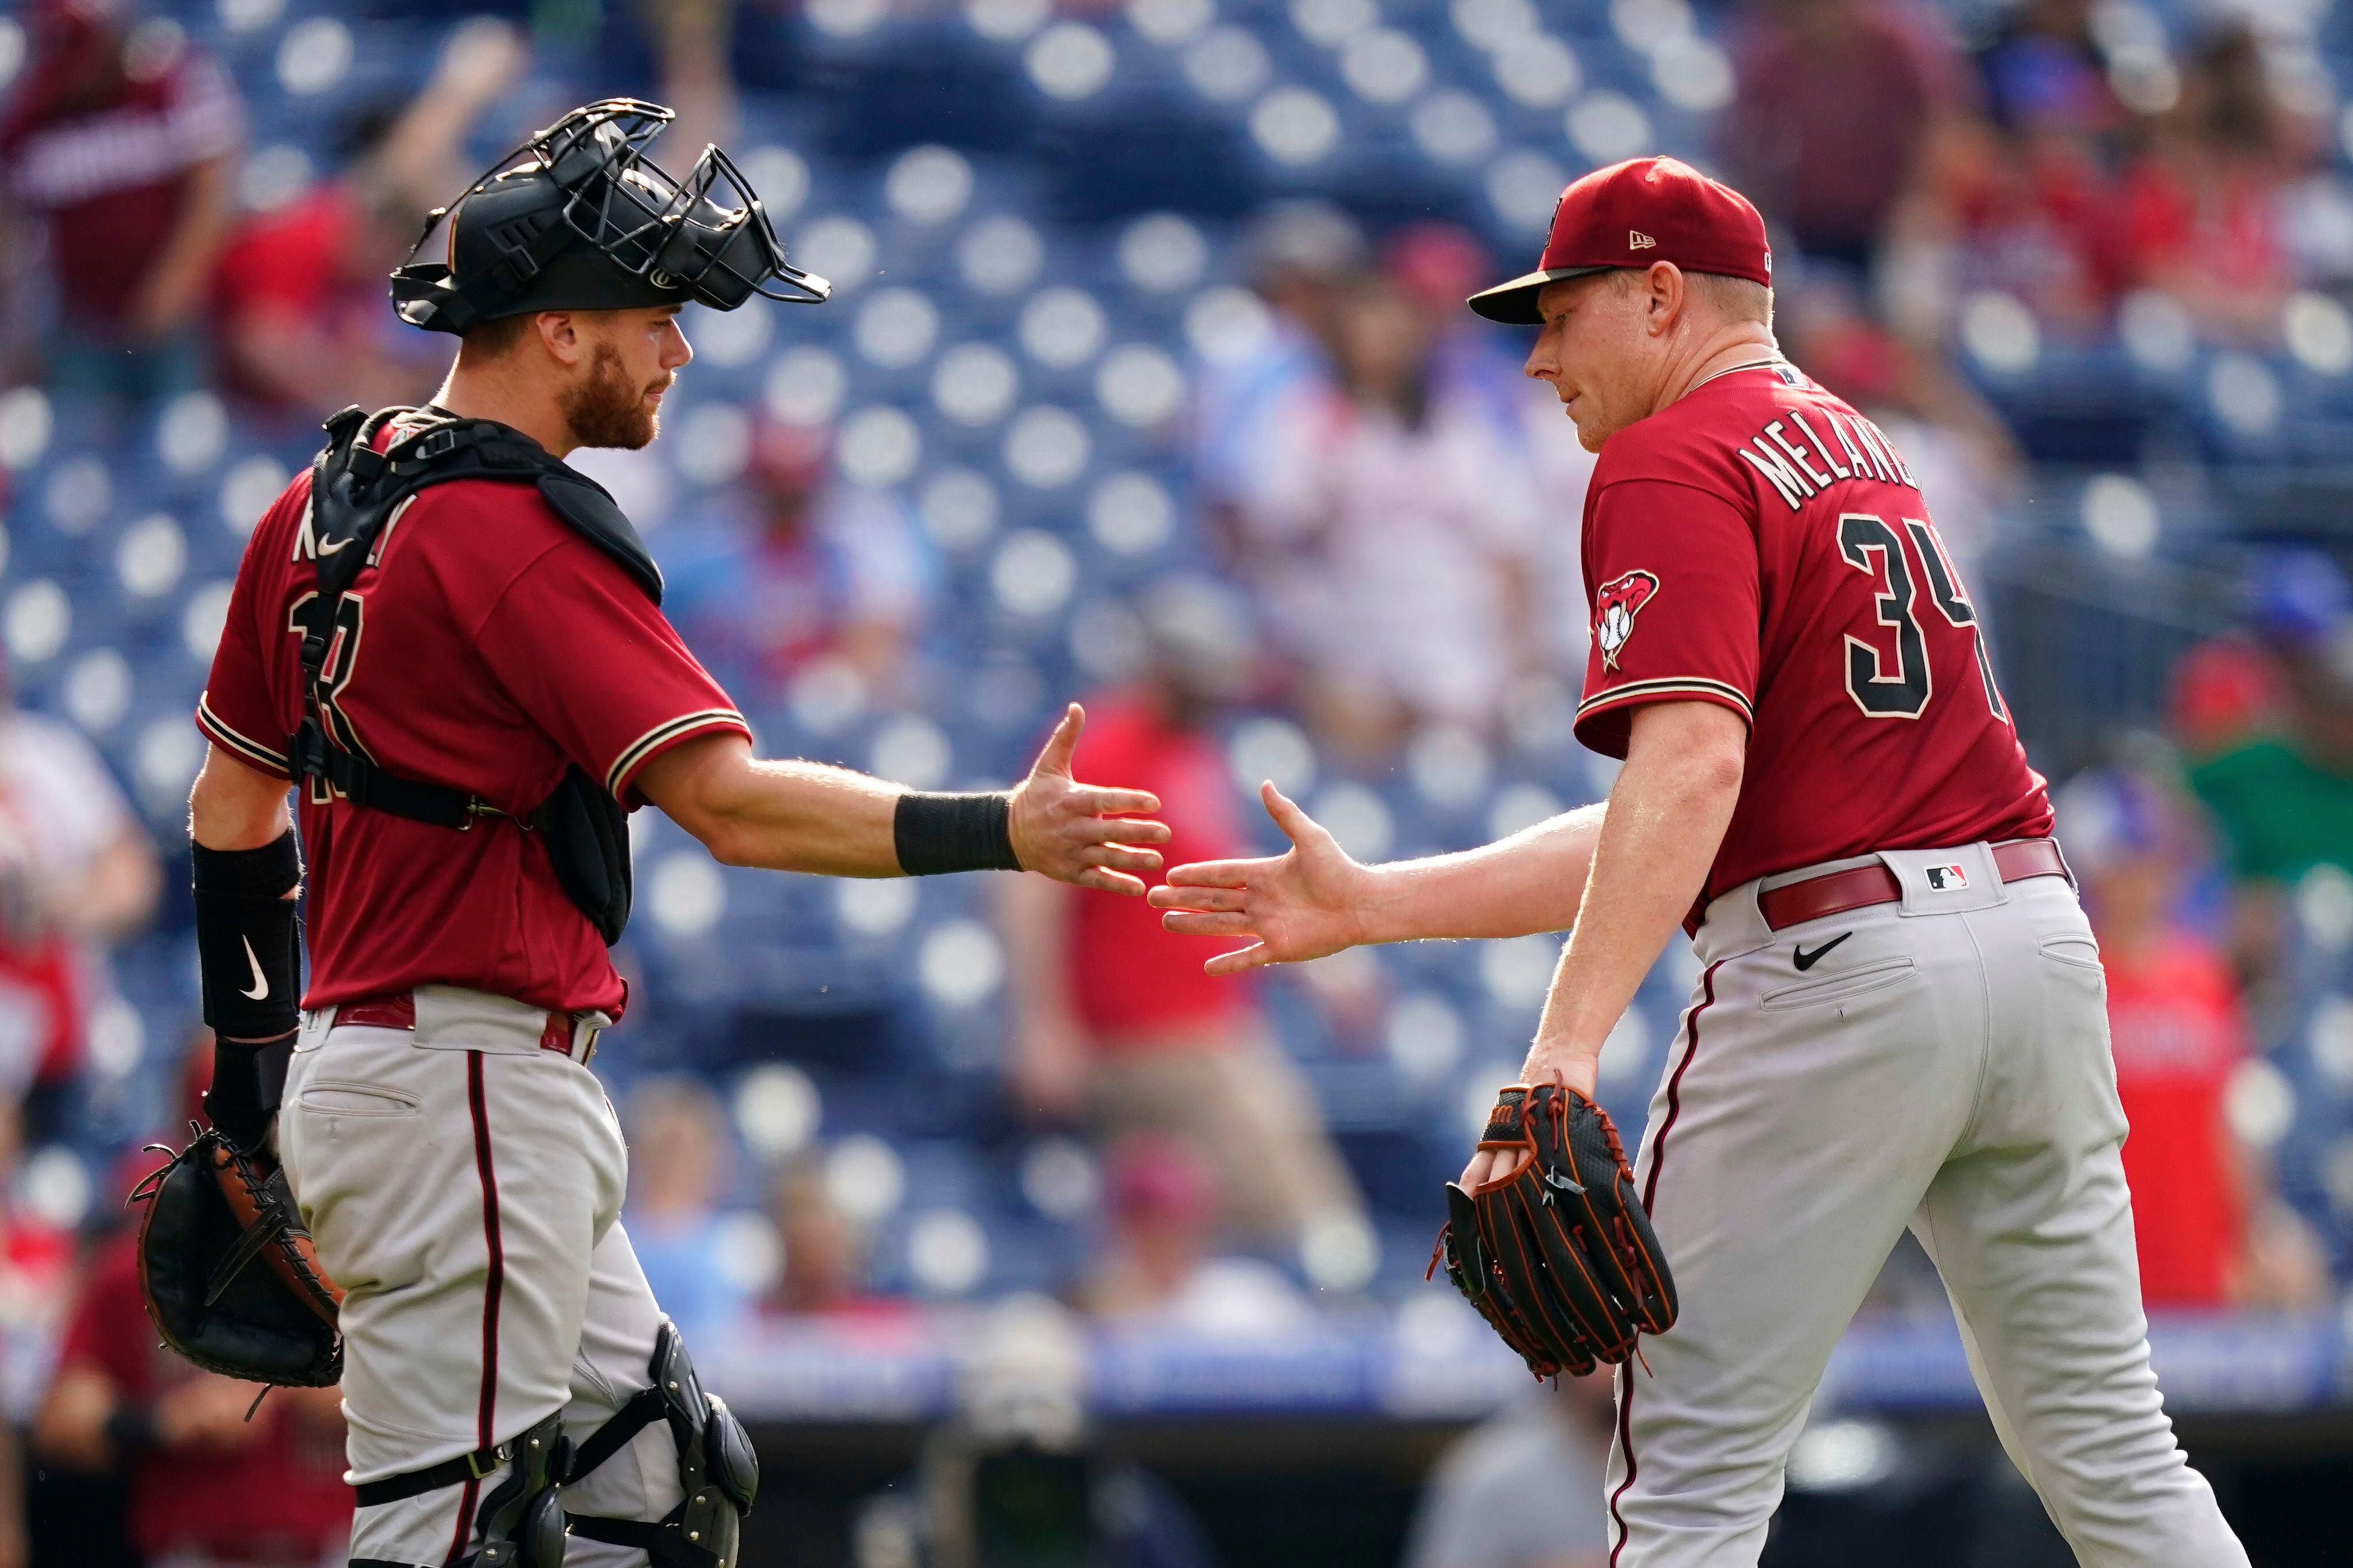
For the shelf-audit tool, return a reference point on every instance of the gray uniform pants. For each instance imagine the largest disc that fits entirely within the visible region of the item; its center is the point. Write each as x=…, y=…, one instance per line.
x=1944, y=1067
x=464, y=1188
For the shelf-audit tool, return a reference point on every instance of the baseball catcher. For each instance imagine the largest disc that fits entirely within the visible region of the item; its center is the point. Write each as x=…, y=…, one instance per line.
x=449, y=643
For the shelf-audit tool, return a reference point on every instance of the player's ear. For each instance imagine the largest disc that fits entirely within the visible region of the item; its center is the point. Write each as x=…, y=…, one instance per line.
x=560, y=333
x=1664, y=289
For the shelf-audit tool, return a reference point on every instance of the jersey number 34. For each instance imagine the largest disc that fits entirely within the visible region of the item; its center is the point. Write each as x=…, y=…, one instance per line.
x=1872, y=547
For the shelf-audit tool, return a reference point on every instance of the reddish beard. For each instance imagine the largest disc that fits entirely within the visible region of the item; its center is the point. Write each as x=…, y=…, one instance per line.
x=604, y=408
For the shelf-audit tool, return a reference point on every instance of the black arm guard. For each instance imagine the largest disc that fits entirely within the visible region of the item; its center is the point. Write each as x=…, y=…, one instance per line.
x=248, y=946
x=250, y=953
x=938, y=832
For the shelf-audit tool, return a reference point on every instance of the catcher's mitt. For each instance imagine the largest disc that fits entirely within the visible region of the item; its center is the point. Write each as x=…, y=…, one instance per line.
x=1559, y=1257
x=228, y=1268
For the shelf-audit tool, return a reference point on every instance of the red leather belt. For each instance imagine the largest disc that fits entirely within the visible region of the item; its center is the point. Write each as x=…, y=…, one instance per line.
x=398, y=1011
x=1836, y=892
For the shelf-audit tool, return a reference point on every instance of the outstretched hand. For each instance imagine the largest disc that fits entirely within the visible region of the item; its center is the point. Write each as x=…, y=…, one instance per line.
x=1305, y=903
x=1077, y=833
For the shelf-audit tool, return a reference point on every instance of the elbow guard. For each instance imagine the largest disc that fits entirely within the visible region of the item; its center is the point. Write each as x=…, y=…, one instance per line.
x=248, y=944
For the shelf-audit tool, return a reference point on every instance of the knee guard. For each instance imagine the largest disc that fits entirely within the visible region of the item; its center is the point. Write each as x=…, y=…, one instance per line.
x=717, y=1468
x=521, y=1522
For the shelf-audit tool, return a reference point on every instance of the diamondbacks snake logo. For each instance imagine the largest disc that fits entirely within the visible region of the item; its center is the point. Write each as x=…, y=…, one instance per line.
x=1615, y=605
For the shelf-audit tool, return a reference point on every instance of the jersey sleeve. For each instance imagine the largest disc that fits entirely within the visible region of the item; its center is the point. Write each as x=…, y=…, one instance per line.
x=596, y=665
x=1670, y=578
x=237, y=712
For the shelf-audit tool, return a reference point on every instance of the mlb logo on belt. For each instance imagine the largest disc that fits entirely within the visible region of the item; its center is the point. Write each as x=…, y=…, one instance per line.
x=1946, y=878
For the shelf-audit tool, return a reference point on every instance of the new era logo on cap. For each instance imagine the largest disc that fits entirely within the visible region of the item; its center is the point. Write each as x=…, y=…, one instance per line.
x=1667, y=211
x=1946, y=879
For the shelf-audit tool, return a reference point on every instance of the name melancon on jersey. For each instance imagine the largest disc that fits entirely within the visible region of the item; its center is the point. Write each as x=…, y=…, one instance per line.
x=1791, y=453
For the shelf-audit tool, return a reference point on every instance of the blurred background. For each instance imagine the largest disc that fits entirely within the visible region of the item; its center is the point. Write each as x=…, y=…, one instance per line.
x=1146, y=381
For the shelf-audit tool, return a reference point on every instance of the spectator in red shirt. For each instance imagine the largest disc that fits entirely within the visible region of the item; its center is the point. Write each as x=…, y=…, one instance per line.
x=1837, y=105
x=2200, y=215
x=2210, y=1231
x=208, y=1487
x=2021, y=200
x=122, y=142
x=300, y=295
x=1112, y=1017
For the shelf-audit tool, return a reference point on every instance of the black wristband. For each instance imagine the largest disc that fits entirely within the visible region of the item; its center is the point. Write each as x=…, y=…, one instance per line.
x=248, y=944
x=248, y=1081
x=940, y=833
x=130, y=1430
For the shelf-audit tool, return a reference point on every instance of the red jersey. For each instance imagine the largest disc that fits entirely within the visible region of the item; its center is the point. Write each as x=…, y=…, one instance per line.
x=281, y=1498
x=2177, y=1031
x=490, y=644
x=1128, y=976
x=1759, y=544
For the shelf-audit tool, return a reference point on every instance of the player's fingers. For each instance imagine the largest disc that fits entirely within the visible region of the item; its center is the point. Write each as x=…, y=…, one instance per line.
x=1093, y=800
x=1241, y=958
x=1116, y=830
x=1190, y=923
x=1297, y=826
x=1110, y=881
x=1062, y=744
x=1197, y=899
x=1213, y=873
x=1122, y=858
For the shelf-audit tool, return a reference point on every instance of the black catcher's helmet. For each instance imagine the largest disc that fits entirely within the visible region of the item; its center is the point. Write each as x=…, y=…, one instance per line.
x=578, y=218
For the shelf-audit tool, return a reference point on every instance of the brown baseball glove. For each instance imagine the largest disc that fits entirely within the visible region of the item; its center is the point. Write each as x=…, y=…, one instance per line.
x=228, y=1268
x=1559, y=1257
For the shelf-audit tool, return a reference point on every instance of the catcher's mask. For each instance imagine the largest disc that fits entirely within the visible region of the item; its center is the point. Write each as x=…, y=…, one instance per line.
x=579, y=219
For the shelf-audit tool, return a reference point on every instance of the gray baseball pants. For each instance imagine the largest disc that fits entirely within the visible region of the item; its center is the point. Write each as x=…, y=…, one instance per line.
x=464, y=1187
x=1944, y=1067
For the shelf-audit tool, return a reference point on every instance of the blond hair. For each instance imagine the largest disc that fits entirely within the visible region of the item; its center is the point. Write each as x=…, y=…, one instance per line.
x=1733, y=299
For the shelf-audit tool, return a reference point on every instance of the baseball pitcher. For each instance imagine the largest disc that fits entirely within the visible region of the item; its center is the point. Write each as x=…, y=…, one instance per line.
x=1900, y=1020
x=450, y=644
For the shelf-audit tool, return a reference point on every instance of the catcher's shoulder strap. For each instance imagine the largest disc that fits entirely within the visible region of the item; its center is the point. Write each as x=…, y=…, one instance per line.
x=356, y=492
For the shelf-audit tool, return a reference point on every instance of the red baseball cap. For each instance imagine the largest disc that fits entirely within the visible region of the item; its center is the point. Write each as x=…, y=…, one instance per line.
x=1631, y=214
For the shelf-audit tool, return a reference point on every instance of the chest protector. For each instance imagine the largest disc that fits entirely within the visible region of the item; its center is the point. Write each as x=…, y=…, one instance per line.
x=355, y=491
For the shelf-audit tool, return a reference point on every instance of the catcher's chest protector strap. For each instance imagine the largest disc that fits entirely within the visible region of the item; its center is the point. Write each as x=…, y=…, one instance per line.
x=355, y=492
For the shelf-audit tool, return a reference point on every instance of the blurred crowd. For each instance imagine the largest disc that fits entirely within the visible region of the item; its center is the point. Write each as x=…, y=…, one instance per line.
x=1385, y=557
x=2069, y=156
